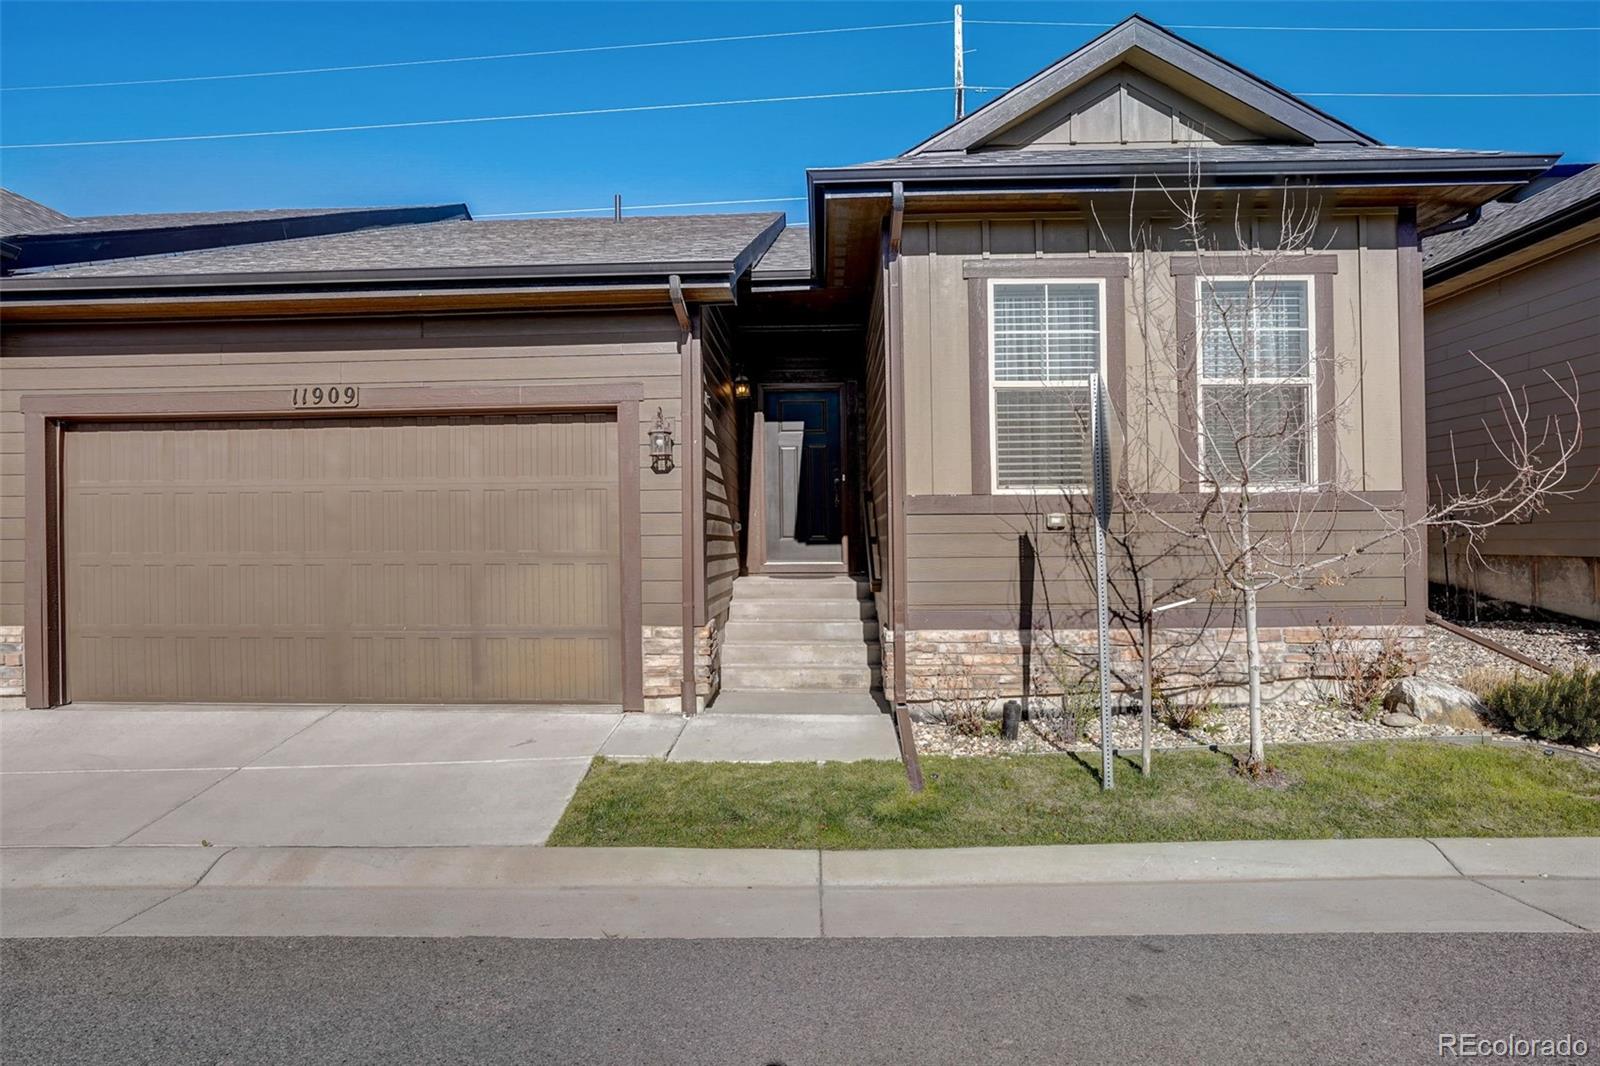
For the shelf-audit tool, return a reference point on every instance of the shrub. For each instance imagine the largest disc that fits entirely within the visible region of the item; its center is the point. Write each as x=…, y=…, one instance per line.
x=1363, y=669
x=1190, y=717
x=1562, y=708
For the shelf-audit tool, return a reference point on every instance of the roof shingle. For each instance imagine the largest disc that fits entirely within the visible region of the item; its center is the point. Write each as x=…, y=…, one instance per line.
x=1504, y=222
x=465, y=244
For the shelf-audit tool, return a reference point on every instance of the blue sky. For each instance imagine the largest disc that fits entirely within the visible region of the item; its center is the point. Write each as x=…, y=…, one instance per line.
x=710, y=154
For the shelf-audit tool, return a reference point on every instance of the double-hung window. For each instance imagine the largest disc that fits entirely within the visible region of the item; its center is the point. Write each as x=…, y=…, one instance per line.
x=1257, y=382
x=1046, y=338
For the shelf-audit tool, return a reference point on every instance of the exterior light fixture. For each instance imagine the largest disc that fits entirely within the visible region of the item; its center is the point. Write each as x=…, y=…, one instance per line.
x=741, y=386
x=661, y=444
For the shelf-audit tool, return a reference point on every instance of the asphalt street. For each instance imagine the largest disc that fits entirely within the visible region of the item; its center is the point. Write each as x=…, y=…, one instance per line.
x=1129, y=1000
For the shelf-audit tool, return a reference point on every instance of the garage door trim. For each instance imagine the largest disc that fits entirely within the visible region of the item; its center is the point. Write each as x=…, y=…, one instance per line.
x=46, y=416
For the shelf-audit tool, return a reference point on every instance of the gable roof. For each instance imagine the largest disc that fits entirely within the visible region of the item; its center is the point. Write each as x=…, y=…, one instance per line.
x=1141, y=43
x=18, y=214
x=1570, y=200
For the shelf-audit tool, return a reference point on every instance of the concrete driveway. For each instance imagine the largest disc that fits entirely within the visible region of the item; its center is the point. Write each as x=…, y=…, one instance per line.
x=316, y=776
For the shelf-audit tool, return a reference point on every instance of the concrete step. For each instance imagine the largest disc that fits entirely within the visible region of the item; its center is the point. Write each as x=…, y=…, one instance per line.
x=748, y=631
x=801, y=653
x=766, y=678
x=761, y=586
x=800, y=610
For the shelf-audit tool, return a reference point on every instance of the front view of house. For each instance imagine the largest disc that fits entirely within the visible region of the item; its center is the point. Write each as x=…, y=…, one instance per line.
x=405, y=456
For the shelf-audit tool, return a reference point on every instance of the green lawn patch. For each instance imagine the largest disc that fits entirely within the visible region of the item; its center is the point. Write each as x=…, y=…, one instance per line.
x=1358, y=790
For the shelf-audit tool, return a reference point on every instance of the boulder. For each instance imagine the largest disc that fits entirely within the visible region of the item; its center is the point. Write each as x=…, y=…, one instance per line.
x=1436, y=703
x=1400, y=720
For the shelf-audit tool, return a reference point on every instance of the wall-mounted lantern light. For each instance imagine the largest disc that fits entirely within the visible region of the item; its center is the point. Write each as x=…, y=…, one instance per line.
x=741, y=386
x=661, y=444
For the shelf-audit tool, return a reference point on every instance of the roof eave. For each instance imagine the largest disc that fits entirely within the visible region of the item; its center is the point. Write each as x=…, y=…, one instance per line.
x=1573, y=215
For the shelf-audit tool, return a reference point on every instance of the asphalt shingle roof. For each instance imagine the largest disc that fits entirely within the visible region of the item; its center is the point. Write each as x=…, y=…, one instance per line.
x=1504, y=221
x=789, y=256
x=183, y=219
x=18, y=214
x=720, y=239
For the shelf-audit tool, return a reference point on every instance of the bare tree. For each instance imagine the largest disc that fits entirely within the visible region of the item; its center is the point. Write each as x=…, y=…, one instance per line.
x=1261, y=483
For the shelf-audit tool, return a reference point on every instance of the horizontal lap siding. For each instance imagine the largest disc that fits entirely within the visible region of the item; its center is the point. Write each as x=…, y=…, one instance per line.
x=721, y=464
x=469, y=350
x=1537, y=320
x=972, y=562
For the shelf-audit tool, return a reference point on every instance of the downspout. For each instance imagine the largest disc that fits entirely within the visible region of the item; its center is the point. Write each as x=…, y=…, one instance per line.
x=690, y=391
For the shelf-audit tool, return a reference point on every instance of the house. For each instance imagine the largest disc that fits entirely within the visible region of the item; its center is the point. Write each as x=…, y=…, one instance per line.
x=1517, y=291
x=480, y=461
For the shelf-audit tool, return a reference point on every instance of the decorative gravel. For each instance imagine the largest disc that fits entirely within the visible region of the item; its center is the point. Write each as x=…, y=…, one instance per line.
x=1299, y=719
x=1560, y=644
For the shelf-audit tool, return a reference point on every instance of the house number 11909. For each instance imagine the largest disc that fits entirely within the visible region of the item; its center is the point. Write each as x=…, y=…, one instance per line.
x=326, y=396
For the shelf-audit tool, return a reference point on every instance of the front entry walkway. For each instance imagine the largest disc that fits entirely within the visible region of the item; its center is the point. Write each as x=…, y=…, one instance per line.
x=355, y=776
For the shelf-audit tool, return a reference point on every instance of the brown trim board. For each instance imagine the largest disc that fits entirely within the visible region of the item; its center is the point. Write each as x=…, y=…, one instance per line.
x=1413, y=407
x=1112, y=269
x=45, y=415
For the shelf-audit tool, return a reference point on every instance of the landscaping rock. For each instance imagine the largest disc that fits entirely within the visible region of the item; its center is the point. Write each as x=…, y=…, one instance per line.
x=1400, y=720
x=1435, y=703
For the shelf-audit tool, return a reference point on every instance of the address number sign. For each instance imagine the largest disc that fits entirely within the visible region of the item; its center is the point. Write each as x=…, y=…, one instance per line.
x=326, y=396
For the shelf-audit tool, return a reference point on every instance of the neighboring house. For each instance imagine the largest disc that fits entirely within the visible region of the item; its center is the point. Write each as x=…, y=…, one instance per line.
x=423, y=462
x=1518, y=290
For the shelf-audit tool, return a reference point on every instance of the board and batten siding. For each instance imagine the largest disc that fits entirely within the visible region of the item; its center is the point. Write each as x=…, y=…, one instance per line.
x=1542, y=317
x=544, y=349
x=721, y=463
x=963, y=564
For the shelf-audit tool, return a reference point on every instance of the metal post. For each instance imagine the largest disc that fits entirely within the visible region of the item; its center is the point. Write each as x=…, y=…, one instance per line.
x=1148, y=637
x=961, y=71
x=616, y=207
x=1098, y=429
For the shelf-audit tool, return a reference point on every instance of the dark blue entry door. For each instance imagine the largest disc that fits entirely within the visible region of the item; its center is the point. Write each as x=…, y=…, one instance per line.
x=817, y=518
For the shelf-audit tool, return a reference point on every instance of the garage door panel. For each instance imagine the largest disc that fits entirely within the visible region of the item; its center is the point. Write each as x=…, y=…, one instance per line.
x=351, y=560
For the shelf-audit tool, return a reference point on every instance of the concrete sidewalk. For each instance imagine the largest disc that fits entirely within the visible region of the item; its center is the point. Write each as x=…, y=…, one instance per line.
x=1440, y=885
x=355, y=776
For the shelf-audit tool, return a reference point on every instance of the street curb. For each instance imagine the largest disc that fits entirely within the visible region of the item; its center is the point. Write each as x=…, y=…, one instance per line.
x=690, y=868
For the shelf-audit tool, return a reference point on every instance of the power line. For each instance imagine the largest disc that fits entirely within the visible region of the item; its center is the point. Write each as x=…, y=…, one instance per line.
x=545, y=52
x=478, y=119
x=1394, y=96
x=1306, y=29
x=1459, y=96
x=645, y=207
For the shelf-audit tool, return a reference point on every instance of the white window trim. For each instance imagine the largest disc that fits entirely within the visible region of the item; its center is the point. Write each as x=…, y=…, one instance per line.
x=995, y=383
x=1309, y=381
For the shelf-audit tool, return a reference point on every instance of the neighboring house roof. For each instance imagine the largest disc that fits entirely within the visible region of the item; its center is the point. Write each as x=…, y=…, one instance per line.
x=187, y=219
x=1138, y=41
x=1506, y=227
x=653, y=245
x=788, y=259
x=18, y=214
x=43, y=243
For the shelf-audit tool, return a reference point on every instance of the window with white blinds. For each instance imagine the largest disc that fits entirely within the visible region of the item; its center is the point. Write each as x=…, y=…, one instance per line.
x=1257, y=395
x=1046, y=338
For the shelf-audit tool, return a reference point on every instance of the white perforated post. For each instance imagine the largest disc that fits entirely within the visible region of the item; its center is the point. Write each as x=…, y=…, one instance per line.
x=1100, y=433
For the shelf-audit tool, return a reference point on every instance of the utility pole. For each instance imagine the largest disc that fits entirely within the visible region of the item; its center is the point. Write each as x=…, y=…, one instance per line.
x=961, y=71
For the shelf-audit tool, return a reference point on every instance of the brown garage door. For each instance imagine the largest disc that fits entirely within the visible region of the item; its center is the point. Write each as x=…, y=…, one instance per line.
x=344, y=560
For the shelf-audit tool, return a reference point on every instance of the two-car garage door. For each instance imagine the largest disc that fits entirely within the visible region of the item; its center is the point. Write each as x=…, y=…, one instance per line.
x=390, y=560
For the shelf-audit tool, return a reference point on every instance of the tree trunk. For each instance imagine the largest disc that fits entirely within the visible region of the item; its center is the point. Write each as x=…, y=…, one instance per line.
x=1253, y=651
